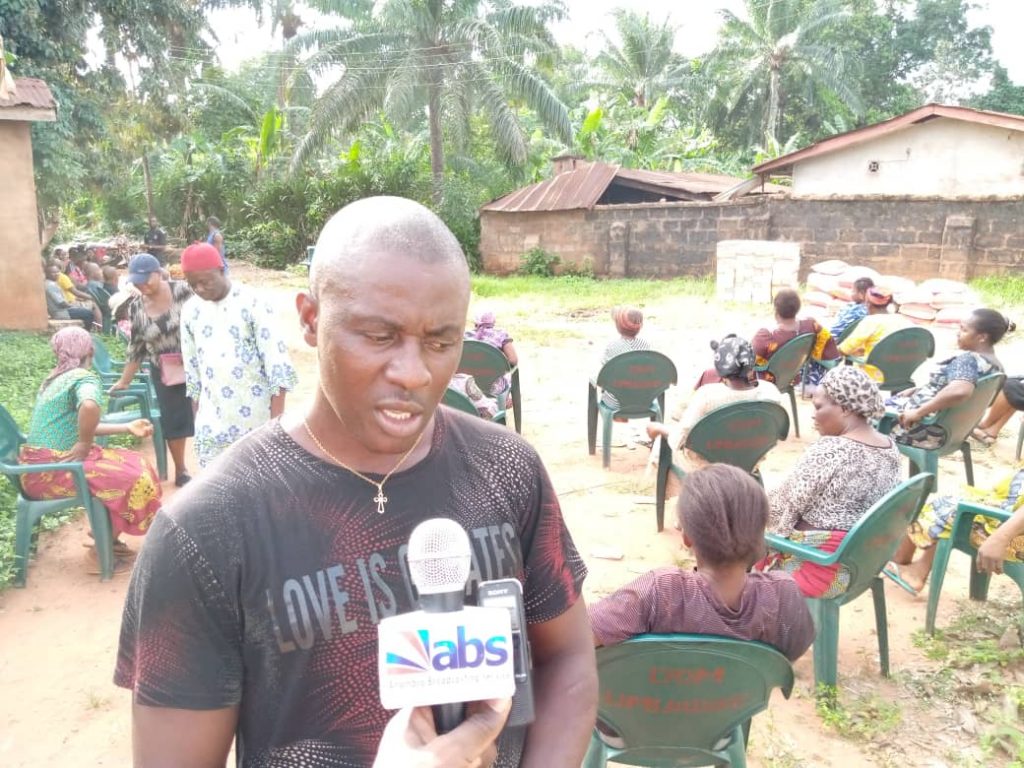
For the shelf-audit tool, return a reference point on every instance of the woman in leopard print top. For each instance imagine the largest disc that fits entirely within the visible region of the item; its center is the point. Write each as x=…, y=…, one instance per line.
x=836, y=480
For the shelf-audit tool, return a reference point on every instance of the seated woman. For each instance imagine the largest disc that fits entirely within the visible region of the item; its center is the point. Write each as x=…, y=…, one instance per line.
x=836, y=480
x=65, y=420
x=734, y=365
x=878, y=324
x=849, y=315
x=952, y=381
x=788, y=327
x=1007, y=402
x=629, y=321
x=722, y=512
x=485, y=330
x=995, y=542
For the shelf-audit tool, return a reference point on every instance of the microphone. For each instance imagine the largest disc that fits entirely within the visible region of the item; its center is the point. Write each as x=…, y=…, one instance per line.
x=446, y=653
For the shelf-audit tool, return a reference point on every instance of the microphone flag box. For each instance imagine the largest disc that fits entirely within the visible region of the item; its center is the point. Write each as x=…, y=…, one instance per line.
x=445, y=658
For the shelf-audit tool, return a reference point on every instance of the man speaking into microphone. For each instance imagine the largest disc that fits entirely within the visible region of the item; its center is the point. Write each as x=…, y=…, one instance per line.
x=253, y=608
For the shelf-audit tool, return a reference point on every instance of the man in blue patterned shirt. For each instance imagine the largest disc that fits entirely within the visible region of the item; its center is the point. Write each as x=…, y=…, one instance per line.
x=237, y=368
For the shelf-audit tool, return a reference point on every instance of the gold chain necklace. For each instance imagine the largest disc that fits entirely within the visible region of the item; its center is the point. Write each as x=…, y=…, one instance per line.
x=380, y=498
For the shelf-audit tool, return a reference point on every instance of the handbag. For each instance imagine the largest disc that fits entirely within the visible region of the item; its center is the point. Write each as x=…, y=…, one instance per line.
x=172, y=369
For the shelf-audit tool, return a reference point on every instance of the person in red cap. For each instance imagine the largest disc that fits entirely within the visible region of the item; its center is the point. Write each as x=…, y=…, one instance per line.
x=628, y=322
x=237, y=368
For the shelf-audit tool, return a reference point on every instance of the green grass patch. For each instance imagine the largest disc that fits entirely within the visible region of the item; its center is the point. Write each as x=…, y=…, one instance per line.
x=860, y=718
x=575, y=293
x=1000, y=291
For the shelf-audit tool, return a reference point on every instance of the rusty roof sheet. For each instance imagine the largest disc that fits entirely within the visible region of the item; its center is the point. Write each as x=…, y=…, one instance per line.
x=784, y=164
x=29, y=92
x=582, y=188
x=579, y=188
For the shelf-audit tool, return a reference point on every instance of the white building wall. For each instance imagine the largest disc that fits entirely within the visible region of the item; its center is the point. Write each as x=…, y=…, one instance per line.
x=942, y=158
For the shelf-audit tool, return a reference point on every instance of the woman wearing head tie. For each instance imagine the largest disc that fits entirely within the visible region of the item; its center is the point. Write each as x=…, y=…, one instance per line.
x=734, y=363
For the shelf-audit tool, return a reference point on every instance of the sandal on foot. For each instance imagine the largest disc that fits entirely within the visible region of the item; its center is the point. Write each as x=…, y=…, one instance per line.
x=892, y=570
x=120, y=548
x=982, y=436
x=182, y=479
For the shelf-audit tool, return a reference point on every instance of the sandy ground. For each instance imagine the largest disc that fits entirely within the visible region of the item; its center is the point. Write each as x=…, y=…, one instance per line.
x=58, y=636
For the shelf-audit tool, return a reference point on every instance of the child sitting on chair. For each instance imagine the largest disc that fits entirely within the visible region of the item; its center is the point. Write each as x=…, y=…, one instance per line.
x=723, y=512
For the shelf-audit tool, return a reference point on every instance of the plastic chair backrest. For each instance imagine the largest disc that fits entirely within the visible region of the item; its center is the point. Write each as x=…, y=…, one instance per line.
x=959, y=420
x=686, y=693
x=10, y=441
x=789, y=359
x=847, y=331
x=10, y=437
x=455, y=399
x=636, y=379
x=101, y=356
x=485, y=363
x=739, y=434
x=901, y=353
x=101, y=296
x=871, y=543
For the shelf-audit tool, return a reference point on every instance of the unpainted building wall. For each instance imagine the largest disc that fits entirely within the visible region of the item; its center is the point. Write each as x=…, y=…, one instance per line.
x=959, y=239
x=22, y=302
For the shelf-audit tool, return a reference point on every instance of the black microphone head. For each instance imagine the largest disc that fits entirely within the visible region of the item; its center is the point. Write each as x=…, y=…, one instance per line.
x=439, y=556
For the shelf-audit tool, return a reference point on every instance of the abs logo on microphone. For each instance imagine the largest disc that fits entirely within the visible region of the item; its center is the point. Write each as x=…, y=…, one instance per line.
x=463, y=652
x=445, y=657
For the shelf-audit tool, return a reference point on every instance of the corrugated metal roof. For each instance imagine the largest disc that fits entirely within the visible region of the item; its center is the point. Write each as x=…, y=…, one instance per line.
x=579, y=188
x=583, y=186
x=29, y=92
x=784, y=164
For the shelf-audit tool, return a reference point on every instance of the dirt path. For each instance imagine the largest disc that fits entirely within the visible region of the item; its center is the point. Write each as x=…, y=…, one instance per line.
x=58, y=636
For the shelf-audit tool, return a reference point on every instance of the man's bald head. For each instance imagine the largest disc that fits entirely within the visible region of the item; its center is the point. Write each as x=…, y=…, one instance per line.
x=381, y=228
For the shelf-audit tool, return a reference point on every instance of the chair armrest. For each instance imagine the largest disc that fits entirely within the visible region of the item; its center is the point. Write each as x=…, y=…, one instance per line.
x=972, y=508
x=802, y=551
x=859, y=360
x=75, y=467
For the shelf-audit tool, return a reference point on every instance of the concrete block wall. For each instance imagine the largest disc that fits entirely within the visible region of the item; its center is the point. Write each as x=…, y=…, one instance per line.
x=917, y=238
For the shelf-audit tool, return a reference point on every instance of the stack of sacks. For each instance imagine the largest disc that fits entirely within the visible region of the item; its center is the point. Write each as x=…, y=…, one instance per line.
x=823, y=284
x=953, y=300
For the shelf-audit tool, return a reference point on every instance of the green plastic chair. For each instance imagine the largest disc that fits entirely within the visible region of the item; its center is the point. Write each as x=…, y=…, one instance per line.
x=958, y=423
x=785, y=364
x=101, y=296
x=460, y=402
x=898, y=355
x=28, y=512
x=864, y=551
x=683, y=700
x=638, y=381
x=1020, y=440
x=739, y=434
x=487, y=364
x=960, y=539
x=846, y=333
x=139, y=393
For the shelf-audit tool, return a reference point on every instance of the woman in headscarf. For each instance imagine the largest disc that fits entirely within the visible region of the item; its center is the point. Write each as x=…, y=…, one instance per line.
x=734, y=364
x=65, y=421
x=486, y=330
x=836, y=480
x=629, y=321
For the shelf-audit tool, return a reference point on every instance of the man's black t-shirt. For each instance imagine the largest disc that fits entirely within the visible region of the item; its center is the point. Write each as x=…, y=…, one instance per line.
x=262, y=583
x=155, y=236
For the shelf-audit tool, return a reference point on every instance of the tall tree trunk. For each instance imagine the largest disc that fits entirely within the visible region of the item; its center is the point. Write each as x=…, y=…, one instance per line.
x=149, y=184
x=774, y=96
x=436, y=136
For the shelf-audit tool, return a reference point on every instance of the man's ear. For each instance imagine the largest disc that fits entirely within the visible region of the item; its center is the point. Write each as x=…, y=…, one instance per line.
x=309, y=316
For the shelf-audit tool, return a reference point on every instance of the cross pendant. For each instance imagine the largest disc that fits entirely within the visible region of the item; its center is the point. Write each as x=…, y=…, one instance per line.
x=381, y=500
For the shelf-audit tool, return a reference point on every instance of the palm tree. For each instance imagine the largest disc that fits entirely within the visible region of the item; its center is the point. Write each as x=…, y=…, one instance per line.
x=642, y=65
x=778, y=48
x=453, y=58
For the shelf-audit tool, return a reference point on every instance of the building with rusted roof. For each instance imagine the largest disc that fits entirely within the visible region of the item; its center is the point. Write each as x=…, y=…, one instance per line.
x=571, y=214
x=22, y=302
x=936, y=151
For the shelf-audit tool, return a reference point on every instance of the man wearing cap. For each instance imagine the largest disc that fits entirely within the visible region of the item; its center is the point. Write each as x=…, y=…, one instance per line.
x=237, y=368
x=878, y=323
